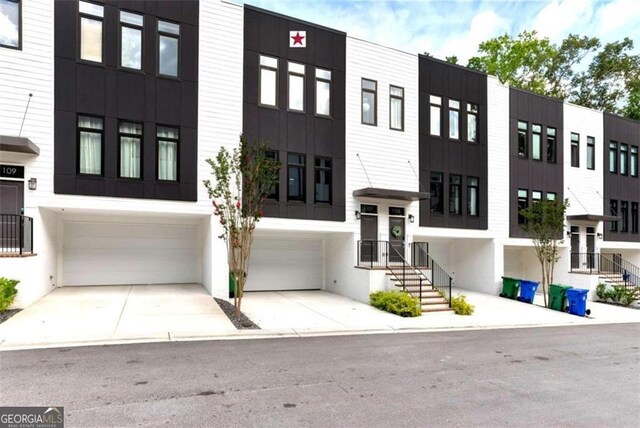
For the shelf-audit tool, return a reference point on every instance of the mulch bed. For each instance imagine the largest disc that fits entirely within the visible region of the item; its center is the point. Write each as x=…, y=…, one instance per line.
x=240, y=321
x=5, y=315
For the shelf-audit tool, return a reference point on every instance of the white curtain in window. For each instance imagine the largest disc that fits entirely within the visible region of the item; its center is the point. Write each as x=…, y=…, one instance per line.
x=90, y=153
x=130, y=157
x=435, y=120
x=454, y=126
x=473, y=201
x=167, y=160
x=396, y=113
x=91, y=39
x=471, y=128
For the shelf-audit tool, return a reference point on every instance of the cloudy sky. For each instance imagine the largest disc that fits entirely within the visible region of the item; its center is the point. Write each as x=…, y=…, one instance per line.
x=456, y=27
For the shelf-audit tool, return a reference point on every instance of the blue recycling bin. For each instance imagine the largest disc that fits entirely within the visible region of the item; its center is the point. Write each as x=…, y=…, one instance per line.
x=577, y=299
x=528, y=290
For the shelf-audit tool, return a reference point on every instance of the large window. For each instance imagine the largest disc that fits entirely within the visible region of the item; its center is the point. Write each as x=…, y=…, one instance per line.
x=131, y=27
x=523, y=139
x=369, y=102
x=295, y=176
x=91, y=33
x=455, y=191
x=168, y=49
x=435, y=114
x=523, y=204
x=551, y=145
x=296, y=86
x=613, y=157
x=167, y=153
x=10, y=24
x=633, y=161
x=575, y=150
x=437, y=196
x=396, y=108
x=472, y=123
x=613, y=209
x=274, y=192
x=634, y=217
x=454, y=119
x=90, y=140
x=130, y=139
x=322, y=180
x=536, y=196
x=473, y=196
x=624, y=213
x=551, y=196
x=268, y=81
x=536, y=142
x=624, y=158
x=323, y=92
x=591, y=153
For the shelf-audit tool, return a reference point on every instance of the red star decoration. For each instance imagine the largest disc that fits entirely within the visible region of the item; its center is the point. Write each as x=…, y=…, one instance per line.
x=297, y=39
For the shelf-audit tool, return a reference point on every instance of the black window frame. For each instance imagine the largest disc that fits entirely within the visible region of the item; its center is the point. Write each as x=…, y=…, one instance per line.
x=142, y=38
x=554, y=198
x=275, y=155
x=303, y=185
x=396, y=97
x=19, y=47
x=177, y=141
x=475, y=114
x=141, y=138
x=613, y=210
x=552, y=144
x=535, y=133
x=375, y=101
x=315, y=88
x=317, y=170
x=451, y=110
x=102, y=148
x=522, y=204
x=613, y=151
x=458, y=185
x=523, y=140
x=623, y=166
x=178, y=37
x=277, y=86
x=475, y=186
x=438, y=105
x=535, y=199
x=79, y=33
x=439, y=192
x=591, y=153
x=575, y=150
x=633, y=161
x=634, y=217
x=304, y=81
x=624, y=214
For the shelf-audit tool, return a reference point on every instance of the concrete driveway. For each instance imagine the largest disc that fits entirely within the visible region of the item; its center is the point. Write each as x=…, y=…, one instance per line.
x=116, y=313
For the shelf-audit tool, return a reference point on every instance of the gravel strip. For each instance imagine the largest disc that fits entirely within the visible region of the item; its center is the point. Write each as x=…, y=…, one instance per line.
x=241, y=321
x=5, y=315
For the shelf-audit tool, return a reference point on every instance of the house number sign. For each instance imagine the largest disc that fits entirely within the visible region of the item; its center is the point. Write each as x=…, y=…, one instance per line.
x=11, y=171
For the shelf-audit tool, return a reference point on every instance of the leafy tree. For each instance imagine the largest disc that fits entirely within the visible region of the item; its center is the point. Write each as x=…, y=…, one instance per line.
x=544, y=222
x=244, y=177
x=451, y=59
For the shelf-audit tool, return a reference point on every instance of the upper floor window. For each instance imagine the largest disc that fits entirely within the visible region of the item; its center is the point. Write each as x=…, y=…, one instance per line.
x=523, y=139
x=369, y=102
x=91, y=32
x=268, y=80
x=454, y=119
x=168, y=48
x=591, y=153
x=322, y=180
x=624, y=213
x=168, y=139
x=472, y=123
x=11, y=20
x=296, y=86
x=437, y=195
x=536, y=196
x=435, y=115
x=396, y=108
x=130, y=139
x=323, y=92
x=296, y=164
x=473, y=195
x=613, y=157
x=90, y=140
x=551, y=145
x=455, y=194
x=575, y=149
x=551, y=196
x=523, y=204
x=624, y=156
x=536, y=142
x=633, y=161
x=613, y=207
x=274, y=192
x=131, y=26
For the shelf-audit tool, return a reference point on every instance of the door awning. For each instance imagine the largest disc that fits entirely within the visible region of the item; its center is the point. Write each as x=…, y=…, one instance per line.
x=400, y=195
x=592, y=217
x=18, y=144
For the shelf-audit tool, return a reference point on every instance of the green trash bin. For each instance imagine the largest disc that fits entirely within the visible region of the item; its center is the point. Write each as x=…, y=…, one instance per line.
x=232, y=284
x=558, y=297
x=510, y=287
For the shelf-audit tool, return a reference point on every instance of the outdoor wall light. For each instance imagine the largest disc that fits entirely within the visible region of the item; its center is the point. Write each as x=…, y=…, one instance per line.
x=357, y=215
x=600, y=236
x=568, y=233
x=33, y=183
x=411, y=218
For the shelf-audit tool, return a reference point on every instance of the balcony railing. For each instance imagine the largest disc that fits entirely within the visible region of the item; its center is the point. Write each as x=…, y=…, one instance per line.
x=16, y=234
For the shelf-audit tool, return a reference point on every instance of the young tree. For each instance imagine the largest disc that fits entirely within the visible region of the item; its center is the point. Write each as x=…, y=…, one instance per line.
x=544, y=222
x=244, y=177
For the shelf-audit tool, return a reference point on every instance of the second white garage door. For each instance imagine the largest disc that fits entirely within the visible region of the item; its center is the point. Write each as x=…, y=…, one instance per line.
x=285, y=264
x=123, y=253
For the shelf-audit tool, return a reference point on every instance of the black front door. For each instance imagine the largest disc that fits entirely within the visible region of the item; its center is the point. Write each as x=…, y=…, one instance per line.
x=396, y=239
x=369, y=247
x=575, y=247
x=591, y=247
x=11, y=206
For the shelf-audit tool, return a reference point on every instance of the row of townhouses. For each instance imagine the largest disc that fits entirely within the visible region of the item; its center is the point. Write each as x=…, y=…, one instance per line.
x=109, y=109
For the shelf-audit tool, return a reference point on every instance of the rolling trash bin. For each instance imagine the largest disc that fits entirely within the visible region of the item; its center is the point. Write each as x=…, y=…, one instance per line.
x=557, y=297
x=510, y=288
x=528, y=290
x=577, y=300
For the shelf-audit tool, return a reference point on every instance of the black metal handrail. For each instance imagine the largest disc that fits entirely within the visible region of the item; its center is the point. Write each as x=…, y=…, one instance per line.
x=607, y=264
x=16, y=234
x=440, y=279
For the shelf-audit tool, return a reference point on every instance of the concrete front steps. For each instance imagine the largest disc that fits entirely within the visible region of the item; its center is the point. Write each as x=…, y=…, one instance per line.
x=431, y=301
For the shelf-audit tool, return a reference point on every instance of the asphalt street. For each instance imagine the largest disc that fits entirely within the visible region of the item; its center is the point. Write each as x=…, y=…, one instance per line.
x=565, y=376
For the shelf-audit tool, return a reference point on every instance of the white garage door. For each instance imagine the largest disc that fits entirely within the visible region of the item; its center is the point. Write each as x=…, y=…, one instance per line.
x=119, y=253
x=285, y=264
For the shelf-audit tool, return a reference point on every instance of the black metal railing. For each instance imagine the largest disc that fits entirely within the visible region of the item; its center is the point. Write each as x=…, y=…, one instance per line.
x=16, y=234
x=440, y=279
x=373, y=254
x=610, y=265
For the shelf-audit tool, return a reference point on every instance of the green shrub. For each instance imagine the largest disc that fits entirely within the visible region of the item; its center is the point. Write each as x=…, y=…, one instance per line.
x=601, y=291
x=460, y=305
x=396, y=302
x=618, y=294
x=8, y=292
